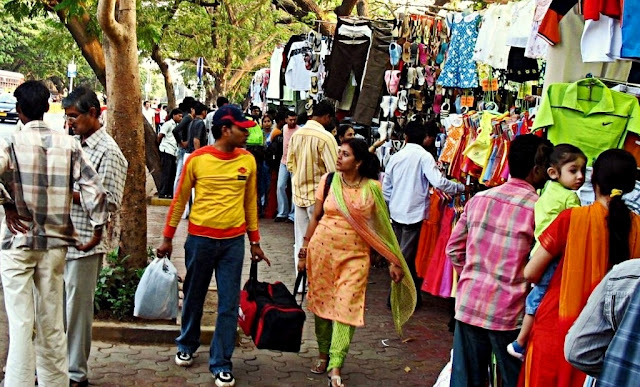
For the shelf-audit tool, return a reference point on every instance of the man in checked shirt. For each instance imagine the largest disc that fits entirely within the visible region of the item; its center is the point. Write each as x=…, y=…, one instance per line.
x=82, y=112
x=39, y=168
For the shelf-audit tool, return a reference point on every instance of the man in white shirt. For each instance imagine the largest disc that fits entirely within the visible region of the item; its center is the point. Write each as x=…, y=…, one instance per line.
x=168, y=151
x=149, y=113
x=406, y=189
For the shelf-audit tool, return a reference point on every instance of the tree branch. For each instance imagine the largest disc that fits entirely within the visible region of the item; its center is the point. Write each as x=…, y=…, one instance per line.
x=300, y=9
x=345, y=8
x=107, y=20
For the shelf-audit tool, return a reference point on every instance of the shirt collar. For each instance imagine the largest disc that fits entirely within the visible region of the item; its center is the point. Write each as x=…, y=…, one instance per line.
x=570, y=99
x=36, y=125
x=312, y=124
x=93, y=140
x=520, y=183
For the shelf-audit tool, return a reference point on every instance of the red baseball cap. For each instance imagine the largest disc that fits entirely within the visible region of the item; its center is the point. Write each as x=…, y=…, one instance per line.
x=229, y=113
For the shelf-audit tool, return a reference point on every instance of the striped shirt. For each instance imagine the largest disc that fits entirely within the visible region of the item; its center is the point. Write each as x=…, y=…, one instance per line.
x=489, y=247
x=105, y=156
x=312, y=152
x=41, y=169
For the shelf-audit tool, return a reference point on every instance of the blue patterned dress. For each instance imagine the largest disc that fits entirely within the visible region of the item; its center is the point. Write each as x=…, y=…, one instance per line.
x=459, y=68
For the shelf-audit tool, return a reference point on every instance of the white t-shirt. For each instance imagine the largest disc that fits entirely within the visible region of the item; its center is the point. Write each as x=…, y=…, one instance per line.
x=168, y=143
x=297, y=77
x=150, y=115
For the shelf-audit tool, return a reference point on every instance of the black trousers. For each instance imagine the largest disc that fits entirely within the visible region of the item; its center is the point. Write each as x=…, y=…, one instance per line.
x=373, y=82
x=168, y=163
x=408, y=237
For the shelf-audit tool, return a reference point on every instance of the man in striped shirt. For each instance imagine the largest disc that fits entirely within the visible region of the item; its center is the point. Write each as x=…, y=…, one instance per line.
x=312, y=152
x=489, y=247
x=40, y=167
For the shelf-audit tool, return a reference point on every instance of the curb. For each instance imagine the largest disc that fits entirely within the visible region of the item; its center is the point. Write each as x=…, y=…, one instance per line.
x=156, y=201
x=141, y=333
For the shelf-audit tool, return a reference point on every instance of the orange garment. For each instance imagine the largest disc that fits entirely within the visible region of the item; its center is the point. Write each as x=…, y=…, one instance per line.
x=454, y=136
x=428, y=235
x=581, y=237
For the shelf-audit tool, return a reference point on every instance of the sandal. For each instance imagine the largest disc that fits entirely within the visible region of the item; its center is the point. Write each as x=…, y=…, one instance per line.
x=320, y=366
x=337, y=379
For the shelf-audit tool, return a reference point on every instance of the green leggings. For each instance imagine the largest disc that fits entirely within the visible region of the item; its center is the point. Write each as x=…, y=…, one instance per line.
x=334, y=338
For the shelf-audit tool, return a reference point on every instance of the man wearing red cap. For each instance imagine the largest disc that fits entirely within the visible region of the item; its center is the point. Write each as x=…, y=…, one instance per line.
x=225, y=207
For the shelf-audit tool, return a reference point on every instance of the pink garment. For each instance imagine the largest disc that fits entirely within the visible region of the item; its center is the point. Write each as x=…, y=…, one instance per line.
x=434, y=276
x=287, y=133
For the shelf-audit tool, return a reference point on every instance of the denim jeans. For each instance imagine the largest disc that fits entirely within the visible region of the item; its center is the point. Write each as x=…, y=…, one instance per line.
x=179, y=165
x=284, y=178
x=203, y=256
x=264, y=179
x=472, y=347
x=533, y=300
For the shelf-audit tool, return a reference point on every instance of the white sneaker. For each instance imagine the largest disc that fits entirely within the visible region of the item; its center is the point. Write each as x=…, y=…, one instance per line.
x=184, y=359
x=224, y=379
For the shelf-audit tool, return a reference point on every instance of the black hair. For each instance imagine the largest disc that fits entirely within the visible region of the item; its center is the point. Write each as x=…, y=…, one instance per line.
x=415, y=132
x=269, y=116
x=302, y=119
x=216, y=130
x=174, y=112
x=145, y=102
x=32, y=99
x=199, y=107
x=370, y=166
x=323, y=108
x=616, y=169
x=281, y=114
x=221, y=101
x=290, y=113
x=186, y=104
x=432, y=128
x=342, y=130
x=565, y=153
x=83, y=99
x=526, y=152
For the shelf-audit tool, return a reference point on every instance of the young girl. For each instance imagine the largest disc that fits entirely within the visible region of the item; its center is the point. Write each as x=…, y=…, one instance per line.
x=566, y=173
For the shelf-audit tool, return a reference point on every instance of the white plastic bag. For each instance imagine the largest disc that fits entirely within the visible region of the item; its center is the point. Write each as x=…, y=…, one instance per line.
x=444, y=379
x=157, y=292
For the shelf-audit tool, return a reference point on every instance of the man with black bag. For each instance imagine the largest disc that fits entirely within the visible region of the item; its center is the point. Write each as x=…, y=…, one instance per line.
x=223, y=210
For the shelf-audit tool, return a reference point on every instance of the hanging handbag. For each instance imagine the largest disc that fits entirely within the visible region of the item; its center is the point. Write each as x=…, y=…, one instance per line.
x=271, y=314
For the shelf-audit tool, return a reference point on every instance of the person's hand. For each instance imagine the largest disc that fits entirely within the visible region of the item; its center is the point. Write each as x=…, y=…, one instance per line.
x=257, y=255
x=93, y=242
x=165, y=248
x=14, y=220
x=396, y=272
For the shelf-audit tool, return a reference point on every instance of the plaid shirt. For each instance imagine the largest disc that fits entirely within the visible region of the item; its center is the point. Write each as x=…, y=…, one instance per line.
x=106, y=157
x=489, y=247
x=40, y=170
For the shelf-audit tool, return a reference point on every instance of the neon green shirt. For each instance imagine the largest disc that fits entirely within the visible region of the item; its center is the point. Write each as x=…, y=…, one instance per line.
x=553, y=200
x=593, y=126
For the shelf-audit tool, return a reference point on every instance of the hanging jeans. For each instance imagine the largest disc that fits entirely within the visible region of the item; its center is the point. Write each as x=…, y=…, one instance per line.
x=373, y=82
x=350, y=50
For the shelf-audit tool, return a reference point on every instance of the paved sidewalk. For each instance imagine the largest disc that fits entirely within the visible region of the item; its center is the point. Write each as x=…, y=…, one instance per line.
x=377, y=355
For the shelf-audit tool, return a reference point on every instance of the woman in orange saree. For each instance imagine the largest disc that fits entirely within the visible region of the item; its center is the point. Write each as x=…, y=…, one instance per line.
x=351, y=220
x=589, y=240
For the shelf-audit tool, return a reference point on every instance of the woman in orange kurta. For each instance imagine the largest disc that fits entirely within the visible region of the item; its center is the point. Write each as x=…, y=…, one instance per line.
x=351, y=220
x=589, y=240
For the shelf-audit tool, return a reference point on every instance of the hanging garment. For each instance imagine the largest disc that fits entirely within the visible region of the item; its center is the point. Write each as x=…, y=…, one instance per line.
x=433, y=278
x=273, y=91
x=454, y=136
x=564, y=60
x=594, y=9
x=601, y=40
x=630, y=28
x=349, y=54
x=521, y=21
x=460, y=68
x=537, y=46
x=603, y=116
x=429, y=235
x=491, y=48
x=297, y=76
x=522, y=69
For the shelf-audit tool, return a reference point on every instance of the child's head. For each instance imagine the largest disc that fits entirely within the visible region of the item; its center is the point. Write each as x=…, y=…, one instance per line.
x=568, y=166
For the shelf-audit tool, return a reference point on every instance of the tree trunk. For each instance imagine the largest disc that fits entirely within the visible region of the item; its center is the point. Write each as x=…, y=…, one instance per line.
x=118, y=21
x=362, y=8
x=166, y=74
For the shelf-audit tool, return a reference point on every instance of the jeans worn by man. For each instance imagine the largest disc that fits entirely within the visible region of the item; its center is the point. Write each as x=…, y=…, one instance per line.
x=225, y=207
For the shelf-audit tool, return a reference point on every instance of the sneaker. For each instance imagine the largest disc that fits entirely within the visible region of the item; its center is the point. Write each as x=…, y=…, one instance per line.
x=224, y=379
x=280, y=219
x=184, y=359
x=516, y=350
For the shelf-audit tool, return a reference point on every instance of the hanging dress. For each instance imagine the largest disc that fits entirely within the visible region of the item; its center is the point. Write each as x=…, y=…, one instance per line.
x=460, y=69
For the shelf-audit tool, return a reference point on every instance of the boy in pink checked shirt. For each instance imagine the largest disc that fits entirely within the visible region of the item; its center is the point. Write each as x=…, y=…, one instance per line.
x=489, y=247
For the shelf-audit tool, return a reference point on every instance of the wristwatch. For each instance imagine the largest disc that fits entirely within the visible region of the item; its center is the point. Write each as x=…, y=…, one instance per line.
x=255, y=243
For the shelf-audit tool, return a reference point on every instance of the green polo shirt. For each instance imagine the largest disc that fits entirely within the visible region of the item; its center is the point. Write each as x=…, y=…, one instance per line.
x=593, y=126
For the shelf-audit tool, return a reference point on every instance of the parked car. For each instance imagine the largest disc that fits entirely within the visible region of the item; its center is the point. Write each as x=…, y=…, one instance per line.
x=8, y=108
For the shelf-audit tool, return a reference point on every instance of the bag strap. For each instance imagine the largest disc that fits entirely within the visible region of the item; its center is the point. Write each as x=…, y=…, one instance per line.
x=327, y=186
x=301, y=279
x=253, y=280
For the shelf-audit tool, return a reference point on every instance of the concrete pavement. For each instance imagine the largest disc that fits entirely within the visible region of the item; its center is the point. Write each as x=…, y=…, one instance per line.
x=377, y=355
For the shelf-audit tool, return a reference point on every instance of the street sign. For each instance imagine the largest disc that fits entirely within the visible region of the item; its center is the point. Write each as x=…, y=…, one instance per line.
x=72, y=70
x=200, y=68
